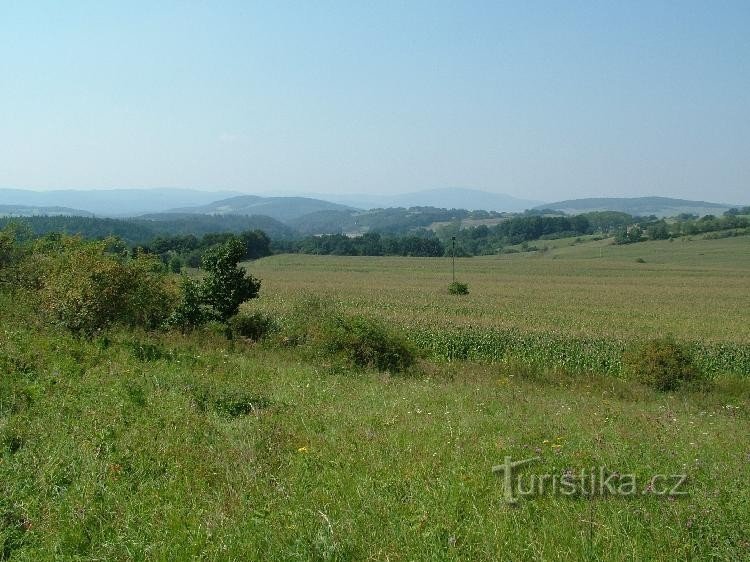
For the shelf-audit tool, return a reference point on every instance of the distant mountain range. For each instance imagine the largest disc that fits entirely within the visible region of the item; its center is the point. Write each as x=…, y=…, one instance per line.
x=638, y=206
x=342, y=213
x=112, y=202
x=462, y=198
x=29, y=211
x=444, y=198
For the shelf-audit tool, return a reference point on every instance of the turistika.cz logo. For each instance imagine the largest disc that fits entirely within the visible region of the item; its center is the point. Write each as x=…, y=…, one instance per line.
x=597, y=481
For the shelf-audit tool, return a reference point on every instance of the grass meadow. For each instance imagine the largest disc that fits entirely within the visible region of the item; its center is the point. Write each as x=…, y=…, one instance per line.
x=161, y=446
x=693, y=289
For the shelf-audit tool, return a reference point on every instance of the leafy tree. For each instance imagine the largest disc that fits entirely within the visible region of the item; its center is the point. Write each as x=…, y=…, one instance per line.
x=257, y=244
x=630, y=235
x=226, y=286
x=658, y=231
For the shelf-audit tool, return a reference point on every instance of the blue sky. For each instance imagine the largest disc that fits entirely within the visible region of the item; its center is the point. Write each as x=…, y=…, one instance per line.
x=544, y=100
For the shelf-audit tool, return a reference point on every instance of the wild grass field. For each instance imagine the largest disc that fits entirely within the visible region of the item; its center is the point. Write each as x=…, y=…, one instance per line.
x=577, y=306
x=135, y=445
x=693, y=289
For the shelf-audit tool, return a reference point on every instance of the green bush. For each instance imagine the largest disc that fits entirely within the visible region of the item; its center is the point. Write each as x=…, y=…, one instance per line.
x=663, y=364
x=86, y=289
x=190, y=312
x=365, y=342
x=356, y=341
x=253, y=326
x=175, y=264
x=457, y=288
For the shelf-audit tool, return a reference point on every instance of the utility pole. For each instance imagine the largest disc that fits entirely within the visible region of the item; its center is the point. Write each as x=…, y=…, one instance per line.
x=453, y=255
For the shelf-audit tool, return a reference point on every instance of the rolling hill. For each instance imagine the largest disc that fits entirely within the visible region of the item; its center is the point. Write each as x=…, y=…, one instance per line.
x=279, y=208
x=31, y=211
x=638, y=206
x=142, y=230
x=462, y=198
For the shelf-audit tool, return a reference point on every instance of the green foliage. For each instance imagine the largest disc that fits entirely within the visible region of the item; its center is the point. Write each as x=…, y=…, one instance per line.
x=175, y=264
x=12, y=252
x=628, y=235
x=218, y=295
x=365, y=342
x=658, y=231
x=141, y=231
x=179, y=249
x=458, y=288
x=253, y=326
x=371, y=244
x=663, y=364
x=226, y=286
x=86, y=289
x=191, y=310
x=354, y=340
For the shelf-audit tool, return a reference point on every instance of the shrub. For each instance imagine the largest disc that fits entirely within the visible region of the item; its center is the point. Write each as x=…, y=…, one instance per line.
x=86, y=289
x=190, y=312
x=175, y=264
x=365, y=342
x=663, y=364
x=253, y=326
x=354, y=340
x=152, y=297
x=457, y=288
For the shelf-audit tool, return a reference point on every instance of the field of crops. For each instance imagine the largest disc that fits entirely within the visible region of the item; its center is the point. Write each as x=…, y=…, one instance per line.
x=576, y=306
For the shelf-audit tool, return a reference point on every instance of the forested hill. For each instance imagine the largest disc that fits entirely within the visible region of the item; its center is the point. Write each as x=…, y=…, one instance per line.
x=141, y=231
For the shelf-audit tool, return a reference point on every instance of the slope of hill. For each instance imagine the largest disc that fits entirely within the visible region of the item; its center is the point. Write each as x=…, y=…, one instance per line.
x=391, y=221
x=638, y=206
x=187, y=223
x=31, y=211
x=461, y=198
x=112, y=202
x=279, y=208
x=142, y=230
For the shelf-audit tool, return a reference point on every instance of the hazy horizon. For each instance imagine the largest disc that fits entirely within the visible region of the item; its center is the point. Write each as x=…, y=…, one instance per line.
x=544, y=102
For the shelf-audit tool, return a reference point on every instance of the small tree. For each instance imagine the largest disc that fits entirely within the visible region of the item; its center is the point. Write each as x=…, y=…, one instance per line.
x=227, y=286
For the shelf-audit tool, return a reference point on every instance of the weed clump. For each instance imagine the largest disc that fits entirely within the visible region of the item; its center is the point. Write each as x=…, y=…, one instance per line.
x=663, y=364
x=355, y=340
x=366, y=342
x=253, y=326
x=458, y=288
x=230, y=402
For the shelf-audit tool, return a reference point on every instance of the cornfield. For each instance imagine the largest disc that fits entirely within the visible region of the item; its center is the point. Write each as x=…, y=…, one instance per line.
x=558, y=351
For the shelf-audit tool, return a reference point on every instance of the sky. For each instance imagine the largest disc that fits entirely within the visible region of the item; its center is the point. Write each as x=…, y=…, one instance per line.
x=541, y=100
